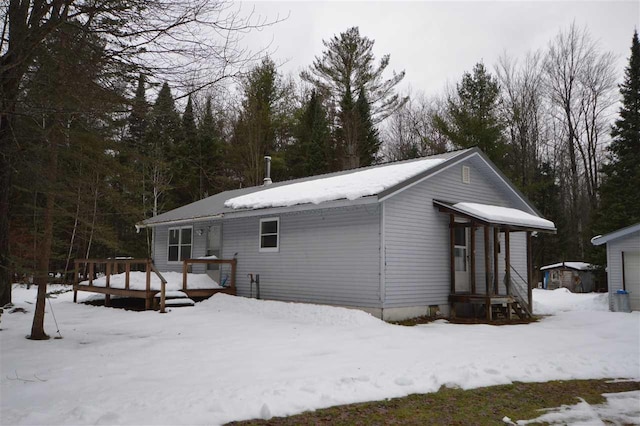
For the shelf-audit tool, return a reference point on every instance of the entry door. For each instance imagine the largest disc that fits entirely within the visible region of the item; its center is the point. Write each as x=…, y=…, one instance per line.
x=461, y=249
x=214, y=247
x=632, y=278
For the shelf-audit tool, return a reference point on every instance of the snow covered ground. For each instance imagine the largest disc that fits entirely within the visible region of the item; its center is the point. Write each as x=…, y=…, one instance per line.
x=230, y=358
x=551, y=302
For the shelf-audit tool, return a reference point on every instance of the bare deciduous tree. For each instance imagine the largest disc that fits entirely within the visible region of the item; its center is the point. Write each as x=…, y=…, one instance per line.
x=194, y=40
x=580, y=83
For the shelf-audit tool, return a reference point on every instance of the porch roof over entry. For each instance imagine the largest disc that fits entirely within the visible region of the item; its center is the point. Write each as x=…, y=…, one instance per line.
x=503, y=217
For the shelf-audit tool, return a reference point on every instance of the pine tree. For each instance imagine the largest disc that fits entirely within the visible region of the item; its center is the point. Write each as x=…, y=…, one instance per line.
x=211, y=177
x=369, y=138
x=472, y=115
x=346, y=67
x=620, y=191
x=259, y=123
x=160, y=141
x=311, y=153
x=139, y=111
x=186, y=159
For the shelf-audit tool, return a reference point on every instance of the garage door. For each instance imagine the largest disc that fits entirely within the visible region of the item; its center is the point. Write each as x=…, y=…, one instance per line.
x=632, y=278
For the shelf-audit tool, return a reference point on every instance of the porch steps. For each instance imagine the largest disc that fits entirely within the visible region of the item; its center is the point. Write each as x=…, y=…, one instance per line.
x=517, y=310
x=175, y=299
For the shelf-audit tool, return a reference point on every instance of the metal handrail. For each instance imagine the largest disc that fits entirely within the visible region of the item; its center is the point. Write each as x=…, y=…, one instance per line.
x=523, y=301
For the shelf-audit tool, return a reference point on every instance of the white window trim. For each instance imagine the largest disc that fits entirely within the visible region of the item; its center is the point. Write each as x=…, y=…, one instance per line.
x=268, y=249
x=466, y=174
x=178, y=262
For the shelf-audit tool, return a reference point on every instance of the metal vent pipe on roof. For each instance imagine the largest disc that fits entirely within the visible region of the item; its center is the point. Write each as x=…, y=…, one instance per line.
x=267, y=170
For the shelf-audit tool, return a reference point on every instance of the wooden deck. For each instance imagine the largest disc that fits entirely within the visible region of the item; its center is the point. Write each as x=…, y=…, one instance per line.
x=114, y=266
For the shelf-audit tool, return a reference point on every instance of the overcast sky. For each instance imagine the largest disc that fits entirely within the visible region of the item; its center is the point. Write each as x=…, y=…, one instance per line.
x=435, y=42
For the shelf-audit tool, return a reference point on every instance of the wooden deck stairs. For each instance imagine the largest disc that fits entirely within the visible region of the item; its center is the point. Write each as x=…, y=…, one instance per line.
x=174, y=299
x=518, y=309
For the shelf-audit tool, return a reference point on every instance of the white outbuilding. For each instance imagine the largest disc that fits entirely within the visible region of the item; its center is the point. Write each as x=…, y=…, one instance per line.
x=623, y=262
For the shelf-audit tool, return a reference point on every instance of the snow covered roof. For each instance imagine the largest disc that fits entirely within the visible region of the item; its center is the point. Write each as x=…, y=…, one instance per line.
x=215, y=206
x=367, y=184
x=578, y=266
x=497, y=215
x=351, y=186
x=603, y=239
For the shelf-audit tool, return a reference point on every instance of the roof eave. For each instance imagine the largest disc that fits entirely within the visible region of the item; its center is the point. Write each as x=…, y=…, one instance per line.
x=612, y=236
x=142, y=224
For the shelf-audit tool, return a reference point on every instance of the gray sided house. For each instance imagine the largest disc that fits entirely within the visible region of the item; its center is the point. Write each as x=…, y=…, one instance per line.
x=398, y=240
x=623, y=262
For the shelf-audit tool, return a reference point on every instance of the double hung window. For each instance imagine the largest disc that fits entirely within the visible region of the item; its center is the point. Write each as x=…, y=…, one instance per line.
x=179, y=243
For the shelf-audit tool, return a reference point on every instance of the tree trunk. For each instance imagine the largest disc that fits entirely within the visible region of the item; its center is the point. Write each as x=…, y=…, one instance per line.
x=44, y=255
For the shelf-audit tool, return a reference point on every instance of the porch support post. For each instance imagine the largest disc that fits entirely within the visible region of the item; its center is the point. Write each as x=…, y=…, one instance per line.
x=487, y=264
x=507, y=261
x=496, y=246
x=452, y=265
x=529, y=270
x=507, y=269
x=452, y=242
x=472, y=265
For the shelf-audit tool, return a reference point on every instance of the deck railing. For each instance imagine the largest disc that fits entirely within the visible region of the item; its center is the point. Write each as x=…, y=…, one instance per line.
x=519, y=289
x=115, y=266
x=232, y=262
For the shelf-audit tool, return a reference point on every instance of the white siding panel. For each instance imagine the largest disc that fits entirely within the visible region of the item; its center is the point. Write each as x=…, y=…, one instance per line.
x=329, y=256
x=417, y=235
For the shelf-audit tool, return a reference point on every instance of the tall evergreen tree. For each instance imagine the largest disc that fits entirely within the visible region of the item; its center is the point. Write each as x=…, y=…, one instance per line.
x=212, y=167
x=620, y=191
x=160, y=141
x=346, y=67
x=258, y=126
x=138, y=117
x=311, y=153
x=472, y=115
x=369, y=138
x=186, y=159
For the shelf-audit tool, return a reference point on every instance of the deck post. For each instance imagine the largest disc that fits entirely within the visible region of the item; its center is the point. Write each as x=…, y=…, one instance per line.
x=107, y=296
x=185, y=268
x=163, y=289
x=76, y=271
x=148, y=271
x=91, y=271
x=529, y=271
x=487, y=264
x=496, y=246
x=234, y=266
x=472, y=265
x=127, y=272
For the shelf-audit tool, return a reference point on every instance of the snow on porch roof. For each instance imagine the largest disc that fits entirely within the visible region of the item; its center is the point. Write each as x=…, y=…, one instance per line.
x=351, y=186
x=578, y=266
x=497, y=215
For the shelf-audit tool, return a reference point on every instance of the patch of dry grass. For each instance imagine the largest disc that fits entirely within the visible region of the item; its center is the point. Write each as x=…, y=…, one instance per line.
x=483, y=406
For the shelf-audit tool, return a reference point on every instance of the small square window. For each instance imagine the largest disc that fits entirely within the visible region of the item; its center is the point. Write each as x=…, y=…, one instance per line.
x=269, y=235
